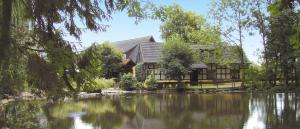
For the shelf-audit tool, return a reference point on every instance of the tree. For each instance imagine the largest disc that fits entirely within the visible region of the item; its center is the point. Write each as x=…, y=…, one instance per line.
x=46, y=46
x=194, y=29
x=233, y=17
x=259, y=20
x=97, y=61
x=111, y=58
x=140, y=72
x=190, y=27
x=281, y=49
x=176, y=58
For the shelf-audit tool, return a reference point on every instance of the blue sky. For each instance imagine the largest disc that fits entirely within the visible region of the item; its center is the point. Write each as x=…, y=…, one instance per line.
x=122, y=27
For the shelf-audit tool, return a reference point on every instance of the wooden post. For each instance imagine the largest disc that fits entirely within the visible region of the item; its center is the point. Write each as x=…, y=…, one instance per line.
x=133, y=71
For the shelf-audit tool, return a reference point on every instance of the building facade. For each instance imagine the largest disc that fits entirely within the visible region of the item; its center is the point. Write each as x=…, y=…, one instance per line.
x=147, y=51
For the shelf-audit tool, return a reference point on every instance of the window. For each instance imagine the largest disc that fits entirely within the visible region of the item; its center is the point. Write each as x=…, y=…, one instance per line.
x=223, y=73
x=235, y=71
x=202, y=74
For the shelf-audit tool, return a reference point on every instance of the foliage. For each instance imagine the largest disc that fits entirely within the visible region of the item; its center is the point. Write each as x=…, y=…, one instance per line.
x=128, y=82
x=176, y=58
x=281, y=51
x=254, y=76
x=99, y=83
x=194, y=29
x=53, y=56
x=140, y=72
x=111, y=58
x=190, y=27
x=150, y=82
x=98, y=61
x=21, y=115
x=233, y=17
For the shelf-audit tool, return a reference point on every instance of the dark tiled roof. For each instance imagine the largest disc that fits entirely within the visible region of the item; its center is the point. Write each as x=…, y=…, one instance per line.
x=133, y=54
x=127, y=45
x=145, y=49
x=150, y=52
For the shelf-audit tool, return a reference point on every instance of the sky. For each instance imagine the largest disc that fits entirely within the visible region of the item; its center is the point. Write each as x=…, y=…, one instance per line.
x=122, y=27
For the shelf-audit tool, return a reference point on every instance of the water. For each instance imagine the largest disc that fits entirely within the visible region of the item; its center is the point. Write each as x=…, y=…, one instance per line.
x=160, y=111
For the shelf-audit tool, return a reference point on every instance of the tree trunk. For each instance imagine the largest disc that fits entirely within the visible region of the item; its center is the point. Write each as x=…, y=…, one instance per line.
x=5, y=28
x=67, y=82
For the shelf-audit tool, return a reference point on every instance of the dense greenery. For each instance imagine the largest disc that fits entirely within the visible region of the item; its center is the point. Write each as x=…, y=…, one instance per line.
x=195, y=30
x=176, y=58
x=99, y=84
x=111, y=58
x=128, y=82
x=191, y=28
x=140, y=72
x=277, y=22
x=34, y=55
x=150, y=82
x=38, y=56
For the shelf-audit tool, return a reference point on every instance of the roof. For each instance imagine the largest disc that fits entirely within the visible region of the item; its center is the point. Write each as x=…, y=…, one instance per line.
x=146, y=50
x=150, y=52
x=127, y=45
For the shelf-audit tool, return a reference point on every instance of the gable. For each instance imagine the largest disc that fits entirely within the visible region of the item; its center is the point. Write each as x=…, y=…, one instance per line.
x=128, y=45
x=151, y=52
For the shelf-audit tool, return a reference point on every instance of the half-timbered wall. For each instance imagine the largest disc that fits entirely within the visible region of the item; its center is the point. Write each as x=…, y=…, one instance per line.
x=212, y=72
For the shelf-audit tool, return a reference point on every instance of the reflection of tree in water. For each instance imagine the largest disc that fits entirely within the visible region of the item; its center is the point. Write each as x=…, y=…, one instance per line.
x=21, y=115
x=160, y=111
x=57, y=120
x=282, y=110
x=190, y=111
x=208, y=111
x=107, y=120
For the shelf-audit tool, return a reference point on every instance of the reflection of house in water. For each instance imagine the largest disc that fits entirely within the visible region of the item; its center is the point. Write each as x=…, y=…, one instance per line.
x=174, y=111
x=139, y=122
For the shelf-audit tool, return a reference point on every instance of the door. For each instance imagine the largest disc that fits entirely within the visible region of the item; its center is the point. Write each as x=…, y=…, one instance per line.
x=194, y=77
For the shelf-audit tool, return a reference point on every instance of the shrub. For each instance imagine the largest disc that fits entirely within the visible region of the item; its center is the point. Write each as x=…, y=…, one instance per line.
x=140, y=85
x=140, y=72
x=128, y=82
x=150, y=82
x=99, y=84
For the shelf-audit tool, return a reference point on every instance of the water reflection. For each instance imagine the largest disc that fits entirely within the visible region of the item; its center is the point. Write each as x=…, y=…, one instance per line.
x=160, y=111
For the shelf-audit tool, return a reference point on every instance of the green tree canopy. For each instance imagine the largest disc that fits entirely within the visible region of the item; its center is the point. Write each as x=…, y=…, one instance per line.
x=187, y=25
x=54, y=58
x=176, y=59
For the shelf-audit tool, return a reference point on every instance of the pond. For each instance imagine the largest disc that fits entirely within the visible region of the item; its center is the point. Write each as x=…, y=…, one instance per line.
x=159, y=111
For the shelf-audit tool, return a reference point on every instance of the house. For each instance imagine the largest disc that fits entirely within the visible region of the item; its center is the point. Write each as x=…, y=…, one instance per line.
x=147, y=51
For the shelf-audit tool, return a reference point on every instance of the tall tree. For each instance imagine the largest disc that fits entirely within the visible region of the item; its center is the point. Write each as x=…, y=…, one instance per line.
x=187, y=25
x=259, y=20
x=233, y=17
x=46, y=46
x=282, y=48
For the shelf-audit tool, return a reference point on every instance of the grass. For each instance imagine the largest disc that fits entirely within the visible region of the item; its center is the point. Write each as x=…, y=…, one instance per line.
x=210, y=86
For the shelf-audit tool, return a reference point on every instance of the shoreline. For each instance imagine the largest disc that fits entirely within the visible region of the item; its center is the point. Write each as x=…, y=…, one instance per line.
x=108, y=92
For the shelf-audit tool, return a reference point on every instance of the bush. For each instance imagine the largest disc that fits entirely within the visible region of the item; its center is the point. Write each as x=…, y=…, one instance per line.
x=128, y=82
x=99, y=84
x=140, y=72
x=140, y=85
x=150, y=82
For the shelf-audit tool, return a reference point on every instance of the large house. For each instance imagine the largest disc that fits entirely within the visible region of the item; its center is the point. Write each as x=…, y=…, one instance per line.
x=147, y=51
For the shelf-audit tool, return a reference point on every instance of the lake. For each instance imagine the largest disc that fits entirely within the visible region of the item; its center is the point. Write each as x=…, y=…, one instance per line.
x=159, y=111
